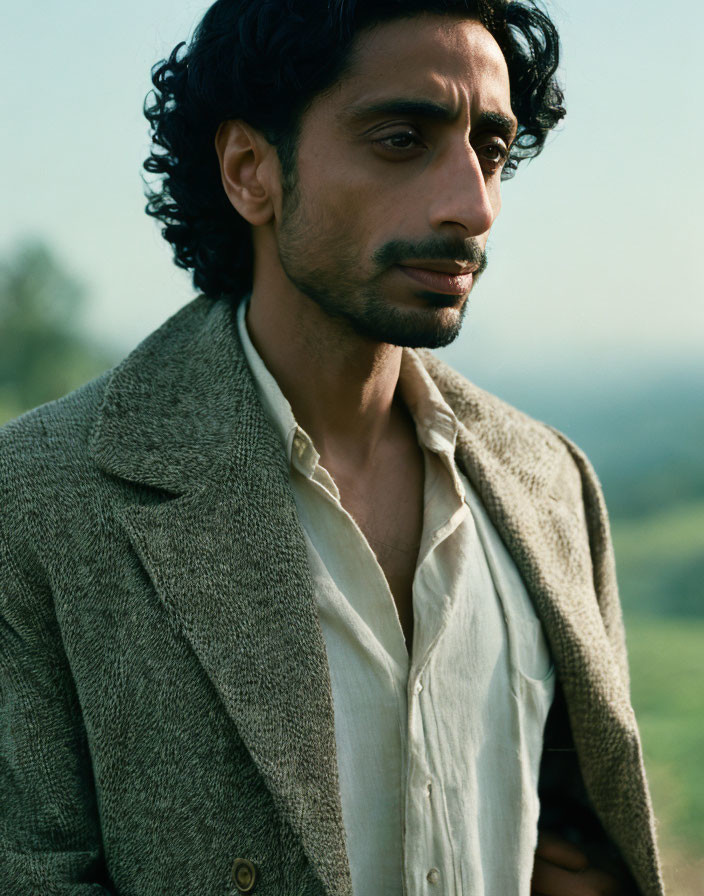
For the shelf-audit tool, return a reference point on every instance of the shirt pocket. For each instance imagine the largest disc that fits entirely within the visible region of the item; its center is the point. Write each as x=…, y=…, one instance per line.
x=532, y=675
x=531, y=656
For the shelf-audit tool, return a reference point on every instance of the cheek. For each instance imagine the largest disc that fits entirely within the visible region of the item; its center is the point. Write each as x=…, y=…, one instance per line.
x=323, y=233
x=342, y=209
x=353, y=203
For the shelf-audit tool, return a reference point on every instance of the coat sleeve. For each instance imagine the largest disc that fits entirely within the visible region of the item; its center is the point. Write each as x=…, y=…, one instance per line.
x=602, y=554
x=50, y=840
x=565, y=806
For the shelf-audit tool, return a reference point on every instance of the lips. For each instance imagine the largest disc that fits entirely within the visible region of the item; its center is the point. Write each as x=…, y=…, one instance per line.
x=440, y=281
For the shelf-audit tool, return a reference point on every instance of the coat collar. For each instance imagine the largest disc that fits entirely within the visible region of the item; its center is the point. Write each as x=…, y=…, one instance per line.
x=228, y=559
x=176, y=408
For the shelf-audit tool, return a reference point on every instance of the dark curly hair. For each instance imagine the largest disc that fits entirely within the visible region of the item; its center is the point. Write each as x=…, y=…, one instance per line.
x=264, y=61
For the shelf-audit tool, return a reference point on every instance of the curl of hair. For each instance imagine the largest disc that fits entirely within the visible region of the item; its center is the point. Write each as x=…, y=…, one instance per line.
x=264, y=61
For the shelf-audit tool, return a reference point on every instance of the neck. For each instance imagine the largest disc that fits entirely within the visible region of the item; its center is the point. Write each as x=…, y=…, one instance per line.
x=340, y=386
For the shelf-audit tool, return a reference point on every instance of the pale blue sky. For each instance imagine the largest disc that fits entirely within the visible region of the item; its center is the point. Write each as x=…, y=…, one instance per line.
x=595, y=261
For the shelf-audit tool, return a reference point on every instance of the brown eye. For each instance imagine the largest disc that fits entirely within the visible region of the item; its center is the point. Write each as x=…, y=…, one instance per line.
x=400, y=140
x=494, y=155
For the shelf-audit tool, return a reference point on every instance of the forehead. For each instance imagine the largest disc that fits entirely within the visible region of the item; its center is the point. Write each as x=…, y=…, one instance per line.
x=440, y=57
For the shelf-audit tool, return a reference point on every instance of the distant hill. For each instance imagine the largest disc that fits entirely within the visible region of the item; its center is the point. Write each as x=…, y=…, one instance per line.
x=660, y=561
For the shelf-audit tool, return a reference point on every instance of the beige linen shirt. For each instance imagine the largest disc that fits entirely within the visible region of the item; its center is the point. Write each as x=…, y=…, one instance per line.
x=438, y=753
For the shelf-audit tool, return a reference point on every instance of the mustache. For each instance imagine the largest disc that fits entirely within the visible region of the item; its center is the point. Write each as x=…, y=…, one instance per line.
x=466, y=252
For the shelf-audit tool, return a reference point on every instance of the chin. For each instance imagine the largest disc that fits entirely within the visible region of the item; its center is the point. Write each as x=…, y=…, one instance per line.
x=430, y=328
x=442, y=300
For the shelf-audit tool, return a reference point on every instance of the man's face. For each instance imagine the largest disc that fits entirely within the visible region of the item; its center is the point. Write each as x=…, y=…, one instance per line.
x=398, y=180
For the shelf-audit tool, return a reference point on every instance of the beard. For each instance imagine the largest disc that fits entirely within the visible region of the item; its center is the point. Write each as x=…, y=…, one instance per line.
x=325, y=267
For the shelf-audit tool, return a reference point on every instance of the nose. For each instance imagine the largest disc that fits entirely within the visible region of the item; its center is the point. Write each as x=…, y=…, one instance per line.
x=460, y=195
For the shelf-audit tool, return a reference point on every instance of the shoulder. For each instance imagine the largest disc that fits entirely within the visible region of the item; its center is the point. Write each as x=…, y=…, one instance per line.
x=42, y=441
x=540, y=460
x=503, y=428
x=45, y=459
x=59, y=489
x=50, y=448
x=538, y=467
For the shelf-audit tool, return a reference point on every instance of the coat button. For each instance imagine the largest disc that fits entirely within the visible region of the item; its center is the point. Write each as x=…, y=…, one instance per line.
x=244, y=874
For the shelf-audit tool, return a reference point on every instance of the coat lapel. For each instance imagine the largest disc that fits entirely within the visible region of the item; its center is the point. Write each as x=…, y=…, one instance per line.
x=227, y=558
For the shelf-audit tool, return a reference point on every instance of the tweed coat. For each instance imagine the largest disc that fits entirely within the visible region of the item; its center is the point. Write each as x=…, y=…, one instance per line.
x=165, y=696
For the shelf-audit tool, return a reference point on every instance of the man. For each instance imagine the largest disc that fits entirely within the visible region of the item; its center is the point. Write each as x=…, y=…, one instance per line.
x=289, y=607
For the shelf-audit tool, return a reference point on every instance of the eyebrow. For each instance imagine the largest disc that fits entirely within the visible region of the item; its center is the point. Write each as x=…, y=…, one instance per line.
x=504, y=125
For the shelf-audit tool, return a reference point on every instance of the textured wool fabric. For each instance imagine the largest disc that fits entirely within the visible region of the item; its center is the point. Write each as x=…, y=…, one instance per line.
x=438, y=753
x=165, y=696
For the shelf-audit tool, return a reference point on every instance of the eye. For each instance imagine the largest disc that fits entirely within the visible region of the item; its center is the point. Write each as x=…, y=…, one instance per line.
x=400, y=141
x=493, y=156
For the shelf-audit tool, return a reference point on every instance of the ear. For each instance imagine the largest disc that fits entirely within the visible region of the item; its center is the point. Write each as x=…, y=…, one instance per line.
x=249, y=169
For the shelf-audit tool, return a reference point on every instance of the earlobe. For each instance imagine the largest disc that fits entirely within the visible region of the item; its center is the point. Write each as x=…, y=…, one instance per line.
x=242, y=153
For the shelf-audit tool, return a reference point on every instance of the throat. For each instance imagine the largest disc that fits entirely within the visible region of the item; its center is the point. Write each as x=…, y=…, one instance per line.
x=385, y=499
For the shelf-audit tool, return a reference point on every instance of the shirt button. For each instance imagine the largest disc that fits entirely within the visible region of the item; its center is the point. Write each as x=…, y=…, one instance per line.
x=433, y=876
x=419, y=687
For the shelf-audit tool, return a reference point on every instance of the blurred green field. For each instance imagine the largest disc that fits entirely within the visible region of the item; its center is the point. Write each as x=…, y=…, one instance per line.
x=660, y=560
x=667, y=681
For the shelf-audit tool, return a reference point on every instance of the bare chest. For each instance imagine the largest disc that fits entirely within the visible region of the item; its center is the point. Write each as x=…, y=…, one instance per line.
x=387, y=506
